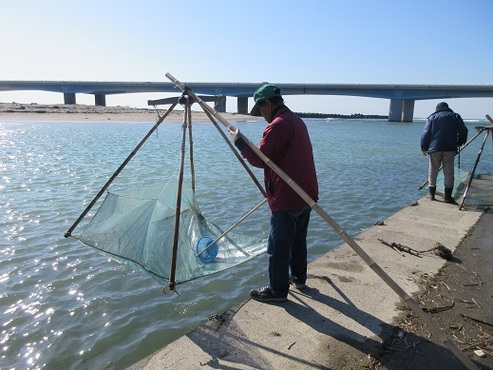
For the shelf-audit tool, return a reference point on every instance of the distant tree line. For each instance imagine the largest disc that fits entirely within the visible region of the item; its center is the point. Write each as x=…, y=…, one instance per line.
x=348, y=116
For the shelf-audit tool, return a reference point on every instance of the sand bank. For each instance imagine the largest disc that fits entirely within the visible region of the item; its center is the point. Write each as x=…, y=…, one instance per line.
x=78, y=112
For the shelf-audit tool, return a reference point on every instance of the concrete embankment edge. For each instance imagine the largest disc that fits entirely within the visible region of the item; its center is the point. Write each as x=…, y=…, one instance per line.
x=347, y=311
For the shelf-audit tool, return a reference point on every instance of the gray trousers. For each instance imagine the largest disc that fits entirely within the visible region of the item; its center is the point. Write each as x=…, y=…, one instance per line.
x=436, y=160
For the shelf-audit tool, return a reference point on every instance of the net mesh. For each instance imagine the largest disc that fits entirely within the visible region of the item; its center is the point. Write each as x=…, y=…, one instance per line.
x=135, y=222
x=139, y=230
x=480, y=192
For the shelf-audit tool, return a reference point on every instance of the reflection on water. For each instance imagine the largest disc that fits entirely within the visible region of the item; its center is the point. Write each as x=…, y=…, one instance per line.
x=64, y=305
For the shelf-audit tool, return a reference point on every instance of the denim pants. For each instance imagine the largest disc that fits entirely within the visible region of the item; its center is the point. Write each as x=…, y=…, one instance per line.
x=287, y=249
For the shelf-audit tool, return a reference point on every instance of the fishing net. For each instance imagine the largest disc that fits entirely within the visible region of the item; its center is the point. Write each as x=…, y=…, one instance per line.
x=136, y=223
x=138, y=229
x=460, y=180
x=480, y=192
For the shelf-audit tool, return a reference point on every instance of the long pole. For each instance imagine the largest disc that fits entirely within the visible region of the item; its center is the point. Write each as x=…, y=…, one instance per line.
x=176, y=234
x=240, y=159
x=351, y=242
x=190, y=138
x=471, y=175
x=243, y=218
x=117, y=172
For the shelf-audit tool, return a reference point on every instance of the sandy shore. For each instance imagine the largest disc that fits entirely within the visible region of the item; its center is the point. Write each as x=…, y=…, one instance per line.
x=78, y=112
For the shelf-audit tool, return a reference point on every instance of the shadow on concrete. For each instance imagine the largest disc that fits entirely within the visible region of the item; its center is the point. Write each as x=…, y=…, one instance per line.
x=413, y=351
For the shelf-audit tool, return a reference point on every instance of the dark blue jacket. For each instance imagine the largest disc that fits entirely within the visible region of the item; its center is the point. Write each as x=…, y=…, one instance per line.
x=444, y=131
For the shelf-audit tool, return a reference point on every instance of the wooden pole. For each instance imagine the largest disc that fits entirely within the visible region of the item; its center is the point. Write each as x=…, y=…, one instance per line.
x=471, y=175
x=176, y=235
x=122, y=166
x=351, y=242
x=238, y=156
x=243, y=218
x=190, y=137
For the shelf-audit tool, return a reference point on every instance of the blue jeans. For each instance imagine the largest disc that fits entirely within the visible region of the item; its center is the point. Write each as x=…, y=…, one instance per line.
x=287, y=249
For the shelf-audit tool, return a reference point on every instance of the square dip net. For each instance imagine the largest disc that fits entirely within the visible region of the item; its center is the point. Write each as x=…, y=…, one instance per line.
x=160, y=229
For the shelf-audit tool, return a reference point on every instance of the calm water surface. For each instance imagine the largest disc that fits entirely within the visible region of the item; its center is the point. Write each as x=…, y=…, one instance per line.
x=64, y=305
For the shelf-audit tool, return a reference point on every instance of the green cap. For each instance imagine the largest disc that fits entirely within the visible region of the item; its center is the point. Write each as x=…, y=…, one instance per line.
x=262, y=93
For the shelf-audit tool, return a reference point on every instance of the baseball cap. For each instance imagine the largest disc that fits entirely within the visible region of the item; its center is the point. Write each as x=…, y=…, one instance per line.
x=263, y=92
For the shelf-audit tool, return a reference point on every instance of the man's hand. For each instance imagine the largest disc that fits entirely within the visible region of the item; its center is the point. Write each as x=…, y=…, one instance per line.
x=235, y=134
x=237, y=138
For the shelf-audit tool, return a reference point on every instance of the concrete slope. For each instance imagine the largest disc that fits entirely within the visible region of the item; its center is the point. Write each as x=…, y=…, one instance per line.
x=347, y=311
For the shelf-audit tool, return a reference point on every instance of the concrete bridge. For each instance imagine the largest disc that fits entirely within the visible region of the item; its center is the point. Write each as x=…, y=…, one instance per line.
x=401, y=109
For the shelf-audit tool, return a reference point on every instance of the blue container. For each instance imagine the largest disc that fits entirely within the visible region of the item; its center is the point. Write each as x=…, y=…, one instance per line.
x=210, y=253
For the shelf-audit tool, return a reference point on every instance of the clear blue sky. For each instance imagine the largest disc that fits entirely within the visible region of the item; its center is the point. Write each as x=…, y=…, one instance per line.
x=324, y=41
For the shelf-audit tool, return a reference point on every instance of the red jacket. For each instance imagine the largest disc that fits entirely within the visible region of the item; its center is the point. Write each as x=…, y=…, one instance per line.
x=286, y=142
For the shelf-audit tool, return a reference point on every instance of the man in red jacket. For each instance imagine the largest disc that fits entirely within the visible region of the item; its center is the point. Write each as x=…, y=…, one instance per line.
x=285, y=142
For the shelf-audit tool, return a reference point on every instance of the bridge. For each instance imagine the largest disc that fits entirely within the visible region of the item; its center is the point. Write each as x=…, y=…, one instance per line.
x=401, y=108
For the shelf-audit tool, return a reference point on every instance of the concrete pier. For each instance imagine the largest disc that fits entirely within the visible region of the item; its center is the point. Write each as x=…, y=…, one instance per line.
x=100, y=100
x=243, y=105
x=401, y=110
x=347, y=311
x=69, y=98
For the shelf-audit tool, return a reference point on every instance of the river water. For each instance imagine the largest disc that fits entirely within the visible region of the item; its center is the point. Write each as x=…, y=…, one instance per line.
x=64, y=305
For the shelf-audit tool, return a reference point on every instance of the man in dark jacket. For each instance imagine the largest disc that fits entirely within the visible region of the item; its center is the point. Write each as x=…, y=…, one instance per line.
x=443, y=133
x=285, y=142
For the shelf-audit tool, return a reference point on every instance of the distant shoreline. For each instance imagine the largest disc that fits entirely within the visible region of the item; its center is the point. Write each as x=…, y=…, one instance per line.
x=92, y=113
x=341, y=116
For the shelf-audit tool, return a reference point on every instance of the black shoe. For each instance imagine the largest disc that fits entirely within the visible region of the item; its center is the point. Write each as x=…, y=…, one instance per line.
x=448, y=196
x=265, y=295
x=299, y=286
x=432, y=191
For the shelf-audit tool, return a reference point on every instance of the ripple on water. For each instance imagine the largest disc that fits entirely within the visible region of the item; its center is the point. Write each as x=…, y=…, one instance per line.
x=64, y=305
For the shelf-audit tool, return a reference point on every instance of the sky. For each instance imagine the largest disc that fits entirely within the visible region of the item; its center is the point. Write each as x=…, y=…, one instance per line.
x=446, y=42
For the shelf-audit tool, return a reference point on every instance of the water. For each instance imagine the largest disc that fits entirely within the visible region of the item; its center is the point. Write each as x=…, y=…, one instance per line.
x=64, y=305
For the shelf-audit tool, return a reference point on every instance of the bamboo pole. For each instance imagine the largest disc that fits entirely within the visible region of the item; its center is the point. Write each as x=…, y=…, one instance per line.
x=176, y=234
x=350, y=241
x=235, y=152
x=471, y=175
x=117, y=172
x=190, y=137
x=243, y=218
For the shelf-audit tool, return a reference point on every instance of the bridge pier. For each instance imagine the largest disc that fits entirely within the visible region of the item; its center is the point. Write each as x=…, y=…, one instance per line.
x=401, y=110
x=69, y=98
x=242, y=105
x=100, y=100
x=407, y=110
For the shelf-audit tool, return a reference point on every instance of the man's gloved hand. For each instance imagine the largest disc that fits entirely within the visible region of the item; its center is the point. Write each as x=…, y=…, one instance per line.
x=237, y=138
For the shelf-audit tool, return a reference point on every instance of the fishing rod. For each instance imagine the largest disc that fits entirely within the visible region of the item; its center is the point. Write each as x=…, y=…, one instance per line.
x=340, y=231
